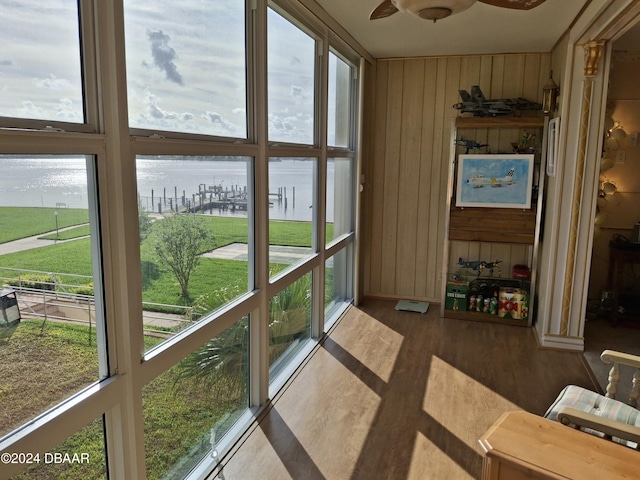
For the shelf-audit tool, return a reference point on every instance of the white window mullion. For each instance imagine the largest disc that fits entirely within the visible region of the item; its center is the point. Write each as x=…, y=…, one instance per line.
x=318, y=282
x=89, y=65
x=259, y=321
x=121, y=257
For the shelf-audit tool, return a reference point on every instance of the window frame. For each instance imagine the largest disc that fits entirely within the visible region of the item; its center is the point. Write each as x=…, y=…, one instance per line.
x=106, y=135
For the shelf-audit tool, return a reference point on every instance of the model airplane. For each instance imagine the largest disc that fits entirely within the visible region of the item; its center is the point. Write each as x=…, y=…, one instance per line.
x=479, y=265
x=479, y=181
x=470, y=144
x=476, y=103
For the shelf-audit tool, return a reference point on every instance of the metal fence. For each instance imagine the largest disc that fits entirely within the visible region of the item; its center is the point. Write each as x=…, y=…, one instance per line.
x=43, y=295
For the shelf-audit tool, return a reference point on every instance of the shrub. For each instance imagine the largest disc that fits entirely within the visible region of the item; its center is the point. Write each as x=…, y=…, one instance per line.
x=40, y=282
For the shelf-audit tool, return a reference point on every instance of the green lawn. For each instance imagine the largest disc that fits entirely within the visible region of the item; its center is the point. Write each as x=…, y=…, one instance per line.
x=158, y=283
x=174, y=422
x=21, y=222
x=81, y=231
x=174, y=418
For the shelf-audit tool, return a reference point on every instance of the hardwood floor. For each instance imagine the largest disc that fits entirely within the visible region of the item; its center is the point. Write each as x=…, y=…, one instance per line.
x=400, y=395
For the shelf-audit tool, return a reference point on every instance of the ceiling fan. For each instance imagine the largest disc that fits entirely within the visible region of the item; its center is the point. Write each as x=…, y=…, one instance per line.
x=439, y=9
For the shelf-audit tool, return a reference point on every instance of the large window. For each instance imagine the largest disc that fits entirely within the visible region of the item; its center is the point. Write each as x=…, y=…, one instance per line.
x=192, y=405
x=194, y=217
x=186, y=67
x=289, y=323
x=340, y=197
x=40, y=74
x=291, y=67
x=53, y=329
x=340, y=105
x=168, y=217
x=292, y=198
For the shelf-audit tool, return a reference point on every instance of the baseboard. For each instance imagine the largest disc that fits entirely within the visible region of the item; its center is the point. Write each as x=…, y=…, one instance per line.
x=560, y=342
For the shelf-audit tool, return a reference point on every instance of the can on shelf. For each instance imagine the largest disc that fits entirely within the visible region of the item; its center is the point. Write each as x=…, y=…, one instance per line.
x=486, y=306
x=473, y=303
x=479, y=303
x=493, y=306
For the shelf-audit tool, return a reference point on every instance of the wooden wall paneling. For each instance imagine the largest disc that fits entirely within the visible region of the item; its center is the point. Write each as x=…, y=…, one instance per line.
x=449, y=94
x=410, y=159
x=366, y=169
x=495, y=90
x=390, y=211
x=470, y=68
x=409, y=176
x=376, y=183
x=531, y=89
x=486, y=73
x=426, y=207
x=513, y=76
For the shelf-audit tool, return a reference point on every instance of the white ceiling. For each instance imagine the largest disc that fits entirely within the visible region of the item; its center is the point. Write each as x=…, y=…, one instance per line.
x=481, y=29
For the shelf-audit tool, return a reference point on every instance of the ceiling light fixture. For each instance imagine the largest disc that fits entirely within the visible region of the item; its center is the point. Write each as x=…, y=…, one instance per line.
x=433, y=9
x=434, y=13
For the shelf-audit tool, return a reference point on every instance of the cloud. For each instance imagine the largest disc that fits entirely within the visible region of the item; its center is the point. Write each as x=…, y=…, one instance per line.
x=29, y=110
x=164, y=55
x=218, y=121
x=66, y=110
x=153, y=110
x=52, y=82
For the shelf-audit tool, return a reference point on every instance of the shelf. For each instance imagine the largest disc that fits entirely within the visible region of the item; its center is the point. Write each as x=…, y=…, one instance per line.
x=514, y=231
x=483, y=317
x=499, y=122
x=497, y=225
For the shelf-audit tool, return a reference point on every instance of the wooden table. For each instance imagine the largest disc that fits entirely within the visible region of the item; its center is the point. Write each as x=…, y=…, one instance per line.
x=522, y=446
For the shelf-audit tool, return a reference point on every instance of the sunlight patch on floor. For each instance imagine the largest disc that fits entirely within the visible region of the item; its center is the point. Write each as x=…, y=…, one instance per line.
x=423, y=467
x=378, y=346
x=451, y=390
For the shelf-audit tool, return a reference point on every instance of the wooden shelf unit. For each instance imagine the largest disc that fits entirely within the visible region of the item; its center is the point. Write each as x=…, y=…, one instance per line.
x=499, y=226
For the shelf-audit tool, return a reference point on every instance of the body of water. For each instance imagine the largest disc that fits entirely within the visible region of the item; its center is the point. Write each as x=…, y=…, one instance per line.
x=57, y=182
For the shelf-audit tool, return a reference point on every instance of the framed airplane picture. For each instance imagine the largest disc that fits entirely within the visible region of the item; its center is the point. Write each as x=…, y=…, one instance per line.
x=496, y=181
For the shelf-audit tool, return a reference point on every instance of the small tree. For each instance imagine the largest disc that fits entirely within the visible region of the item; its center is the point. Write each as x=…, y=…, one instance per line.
x=144, y=222
x=179, y=241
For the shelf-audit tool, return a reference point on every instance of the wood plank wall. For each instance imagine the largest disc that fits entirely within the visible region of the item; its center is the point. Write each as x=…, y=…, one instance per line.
x=406, y=164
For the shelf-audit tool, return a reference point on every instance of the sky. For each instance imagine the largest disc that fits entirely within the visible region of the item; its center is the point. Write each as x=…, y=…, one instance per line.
x=185, y=67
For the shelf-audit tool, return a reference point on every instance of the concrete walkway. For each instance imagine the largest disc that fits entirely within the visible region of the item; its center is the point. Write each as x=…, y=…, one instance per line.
x=29, y=243
x=277, y=253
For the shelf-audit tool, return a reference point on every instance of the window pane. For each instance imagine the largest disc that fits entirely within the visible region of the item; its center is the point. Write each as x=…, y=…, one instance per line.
x=49, y=331
x=340, y=194
x=337, y=284
x=289, y=323
x=195, y=402
x=291, y=65
x=82, y=455
x=194, y=231
x=186, y=68
x=40, y=76
x=339, y=102
x=292, y=198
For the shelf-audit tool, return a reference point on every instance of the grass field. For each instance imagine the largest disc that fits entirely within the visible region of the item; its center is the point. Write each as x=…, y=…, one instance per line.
x=175, y=419
x=81, y=231
x=22, y=222
x=158, y=283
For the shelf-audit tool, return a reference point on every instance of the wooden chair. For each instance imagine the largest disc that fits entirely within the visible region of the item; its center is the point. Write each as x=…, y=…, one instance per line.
x=602, y=415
